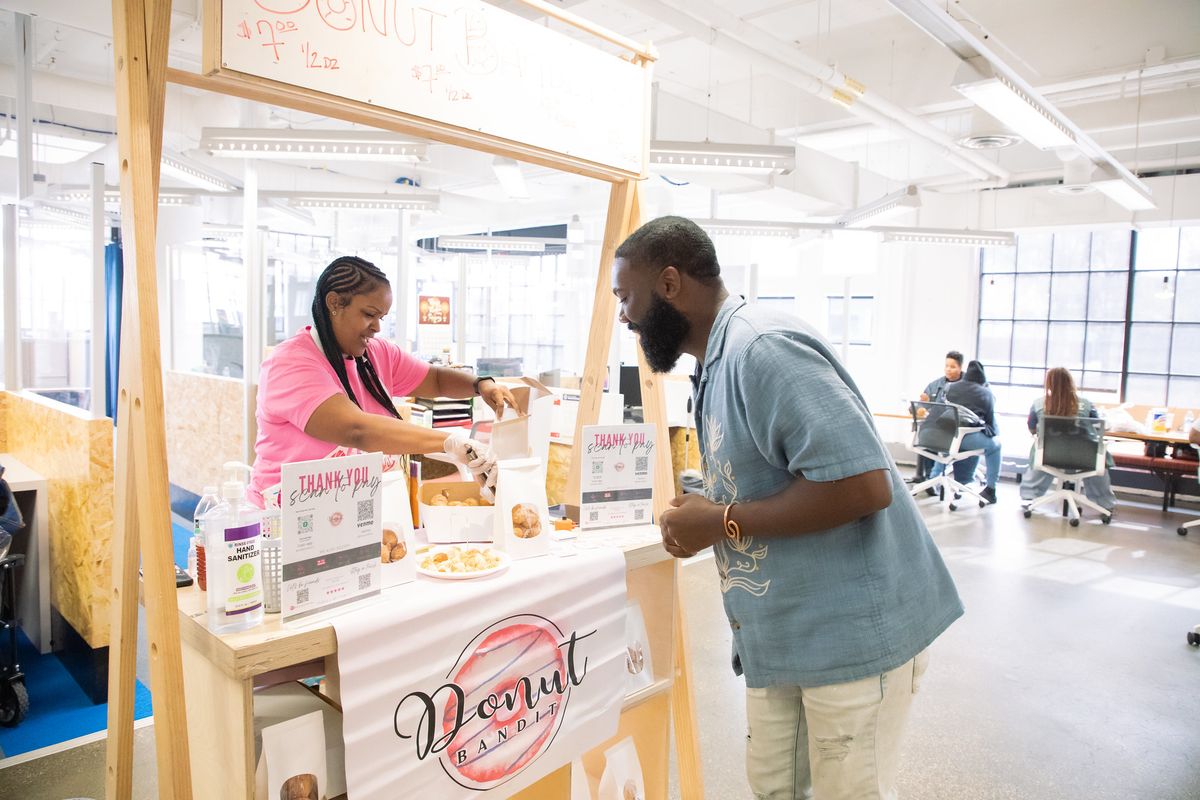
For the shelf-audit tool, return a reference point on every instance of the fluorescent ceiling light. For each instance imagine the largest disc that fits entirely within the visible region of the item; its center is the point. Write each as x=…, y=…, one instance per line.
x=765, y=228
x=112, y=196
x=508, y=172
x=196, y=175
x=514, y=243
x=1000, y=96
x=710, y=156
x=321, y=145
x=1133, y=197
x=948, y=236
x=66, y=213
x=397, y=201
x=52, y=148
x=885, y=207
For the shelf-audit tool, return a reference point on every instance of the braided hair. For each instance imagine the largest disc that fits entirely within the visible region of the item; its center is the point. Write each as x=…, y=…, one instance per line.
x=347, y=276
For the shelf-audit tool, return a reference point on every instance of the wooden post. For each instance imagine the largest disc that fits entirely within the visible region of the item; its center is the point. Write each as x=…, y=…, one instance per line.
x=141, y=31
x=621, y=203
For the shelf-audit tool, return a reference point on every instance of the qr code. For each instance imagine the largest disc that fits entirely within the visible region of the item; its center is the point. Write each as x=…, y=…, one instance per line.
x=304, y=523
x=593, y=516
x=639, y=513
x=641, y=464
x=301, y=596
x=364, y=581
x=597, y=467
x=366, y=511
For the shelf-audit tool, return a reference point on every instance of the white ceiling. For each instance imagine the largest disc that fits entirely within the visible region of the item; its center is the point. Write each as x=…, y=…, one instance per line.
x=1127, y=73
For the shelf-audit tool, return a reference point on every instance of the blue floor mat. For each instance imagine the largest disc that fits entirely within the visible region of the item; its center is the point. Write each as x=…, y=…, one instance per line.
x=58, y=709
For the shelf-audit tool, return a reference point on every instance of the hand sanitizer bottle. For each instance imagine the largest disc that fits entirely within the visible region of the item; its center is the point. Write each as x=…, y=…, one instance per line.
x=233, y=535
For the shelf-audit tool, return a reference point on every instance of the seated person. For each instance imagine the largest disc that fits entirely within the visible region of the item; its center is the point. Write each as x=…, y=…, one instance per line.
x=973, y=393
x=1061, y=400
x=935, y=392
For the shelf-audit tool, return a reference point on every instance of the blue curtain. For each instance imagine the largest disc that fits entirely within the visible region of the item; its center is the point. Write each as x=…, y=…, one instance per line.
x=114, y=274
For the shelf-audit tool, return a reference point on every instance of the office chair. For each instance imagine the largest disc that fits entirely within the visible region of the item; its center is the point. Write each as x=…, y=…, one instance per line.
x=1071, y=449
x=1182, y=531
x=938, y=436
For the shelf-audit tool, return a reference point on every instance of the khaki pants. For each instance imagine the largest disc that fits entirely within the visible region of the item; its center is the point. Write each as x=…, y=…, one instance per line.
x=838, y=742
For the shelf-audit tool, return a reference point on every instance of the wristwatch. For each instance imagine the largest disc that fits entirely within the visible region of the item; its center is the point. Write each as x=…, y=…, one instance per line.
x=482, y=378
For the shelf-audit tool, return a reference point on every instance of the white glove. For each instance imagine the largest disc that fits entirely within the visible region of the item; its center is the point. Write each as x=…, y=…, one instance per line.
x=478, y=458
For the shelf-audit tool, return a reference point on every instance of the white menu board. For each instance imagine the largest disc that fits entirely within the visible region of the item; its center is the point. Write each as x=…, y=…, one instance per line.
x=331, y=532
x=616, y=484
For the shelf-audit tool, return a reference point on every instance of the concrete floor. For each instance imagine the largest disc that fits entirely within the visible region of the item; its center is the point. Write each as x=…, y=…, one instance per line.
x=1068, y=677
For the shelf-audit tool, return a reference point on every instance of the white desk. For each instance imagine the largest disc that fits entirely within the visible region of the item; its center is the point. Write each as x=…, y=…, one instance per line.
x=33, y=598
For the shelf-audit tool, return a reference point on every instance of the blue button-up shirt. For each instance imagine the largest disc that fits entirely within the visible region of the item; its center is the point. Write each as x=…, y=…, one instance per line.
x=772, y=403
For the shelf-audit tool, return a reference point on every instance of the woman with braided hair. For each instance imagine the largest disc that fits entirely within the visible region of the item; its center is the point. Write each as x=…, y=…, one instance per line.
x=329, y=388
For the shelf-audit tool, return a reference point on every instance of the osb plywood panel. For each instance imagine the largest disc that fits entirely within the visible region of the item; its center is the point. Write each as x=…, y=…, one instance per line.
x=75, y=453
x=3, y=423
x=685, y=453
x=204, y=427
x=556, y=474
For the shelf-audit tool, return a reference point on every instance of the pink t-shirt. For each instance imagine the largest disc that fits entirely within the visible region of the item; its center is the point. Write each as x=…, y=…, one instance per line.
x=295, y=379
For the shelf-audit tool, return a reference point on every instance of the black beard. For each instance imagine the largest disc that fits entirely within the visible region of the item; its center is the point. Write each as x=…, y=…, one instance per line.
x=662, y=332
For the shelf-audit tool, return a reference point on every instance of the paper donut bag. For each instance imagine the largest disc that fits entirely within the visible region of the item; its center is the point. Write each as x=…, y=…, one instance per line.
x=294, y=752
x=396, y=546
x=522, y=522
x=622, y=778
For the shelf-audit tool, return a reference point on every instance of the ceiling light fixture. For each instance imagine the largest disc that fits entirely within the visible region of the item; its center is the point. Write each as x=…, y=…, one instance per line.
x=112, y=196
x=1122, y=191
x=710, y=156
x=885, y=207
x=53, y=148
x=66, y=213
x=183, y=169
x=948, y=236
x=417, y=201
x=1000, y=96
x=508, y=173
x=323, y=145
x=514, y=243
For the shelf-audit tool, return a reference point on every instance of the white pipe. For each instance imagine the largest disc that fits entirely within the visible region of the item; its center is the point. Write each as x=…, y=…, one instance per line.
x=729, y=32
x=253, y=313
x=99, y=317
x=400, y=299
x=12, y=322
x=23, y=58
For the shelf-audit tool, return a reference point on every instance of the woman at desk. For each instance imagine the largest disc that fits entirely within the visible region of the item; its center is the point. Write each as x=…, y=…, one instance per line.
x=328, y=390
x=973, y=394
x=1061, y=400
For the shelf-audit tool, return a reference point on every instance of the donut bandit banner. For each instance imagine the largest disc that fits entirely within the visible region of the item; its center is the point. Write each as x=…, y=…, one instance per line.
x=469, y=688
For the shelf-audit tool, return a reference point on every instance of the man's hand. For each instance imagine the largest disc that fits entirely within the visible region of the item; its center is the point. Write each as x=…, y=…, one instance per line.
x=924, y=397
x=691, y=524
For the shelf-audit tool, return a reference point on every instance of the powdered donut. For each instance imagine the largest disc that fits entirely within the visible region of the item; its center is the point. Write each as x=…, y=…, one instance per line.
x=299, y=787
x=389, y=537
x=399, y=551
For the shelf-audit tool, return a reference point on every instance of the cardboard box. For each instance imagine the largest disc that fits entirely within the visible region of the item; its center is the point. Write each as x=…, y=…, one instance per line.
x=455, y=524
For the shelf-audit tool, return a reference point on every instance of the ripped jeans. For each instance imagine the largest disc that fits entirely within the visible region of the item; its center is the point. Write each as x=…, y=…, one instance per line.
x=830, y=742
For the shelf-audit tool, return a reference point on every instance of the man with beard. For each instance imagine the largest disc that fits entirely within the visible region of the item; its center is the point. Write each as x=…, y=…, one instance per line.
x=832, y=585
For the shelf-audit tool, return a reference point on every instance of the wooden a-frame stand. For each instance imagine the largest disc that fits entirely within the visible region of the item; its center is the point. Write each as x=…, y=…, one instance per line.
x=141, y=33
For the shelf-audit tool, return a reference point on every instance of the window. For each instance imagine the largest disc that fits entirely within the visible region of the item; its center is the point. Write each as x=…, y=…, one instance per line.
x=862, y=311
x=1164, y=328
x=1109, y=305
x=208, y=288
x=54, y=310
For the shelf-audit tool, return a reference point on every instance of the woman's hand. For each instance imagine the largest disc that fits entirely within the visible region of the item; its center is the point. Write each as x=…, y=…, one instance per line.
x=497, y=397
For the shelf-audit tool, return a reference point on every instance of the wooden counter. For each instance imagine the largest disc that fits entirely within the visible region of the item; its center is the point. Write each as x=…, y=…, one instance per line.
x=220, y=672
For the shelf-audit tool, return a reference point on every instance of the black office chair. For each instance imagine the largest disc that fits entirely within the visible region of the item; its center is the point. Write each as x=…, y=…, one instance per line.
x=1070, y=449
x=1183, y=529
x=938, y=436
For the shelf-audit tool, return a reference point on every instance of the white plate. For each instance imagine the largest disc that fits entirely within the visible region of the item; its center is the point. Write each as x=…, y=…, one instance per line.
x=505, y=561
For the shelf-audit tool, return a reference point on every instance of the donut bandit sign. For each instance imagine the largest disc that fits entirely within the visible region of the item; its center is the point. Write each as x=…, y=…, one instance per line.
x=454, y=689
x=502, y=703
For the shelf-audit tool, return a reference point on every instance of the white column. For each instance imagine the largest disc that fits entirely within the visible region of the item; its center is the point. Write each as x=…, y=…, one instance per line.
x=846, y=323
x=99, y=317
x=752, y=289
x=12, y=321
x=460, y=310
x=23, y=64
x=253, y=313
x=400, y=297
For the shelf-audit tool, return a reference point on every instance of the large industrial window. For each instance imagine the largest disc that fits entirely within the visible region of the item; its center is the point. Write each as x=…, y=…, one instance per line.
x=1110, y=305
